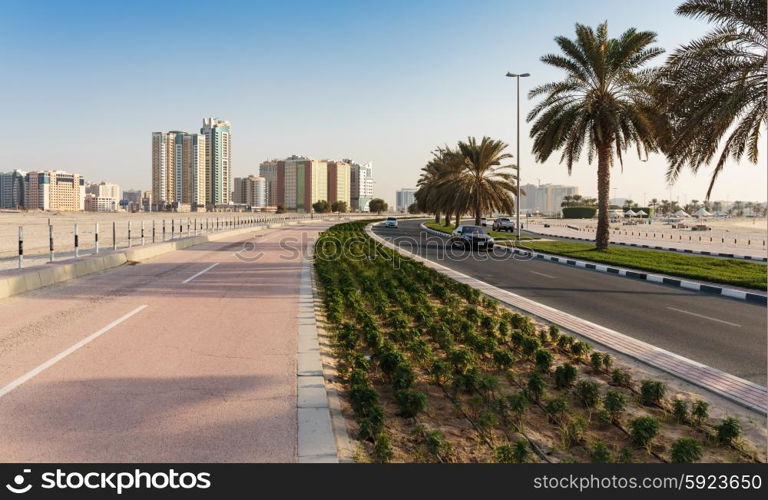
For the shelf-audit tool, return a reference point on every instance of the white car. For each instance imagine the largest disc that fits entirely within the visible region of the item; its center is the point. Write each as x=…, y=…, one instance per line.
x=390, y=222
x=484, y=221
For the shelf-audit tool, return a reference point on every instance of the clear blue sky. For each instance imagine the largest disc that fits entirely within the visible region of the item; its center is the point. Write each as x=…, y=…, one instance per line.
x=85, y=83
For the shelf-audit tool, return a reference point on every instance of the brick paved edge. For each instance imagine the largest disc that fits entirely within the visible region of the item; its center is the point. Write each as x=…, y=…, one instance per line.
x=732, y=293
x=738, y=390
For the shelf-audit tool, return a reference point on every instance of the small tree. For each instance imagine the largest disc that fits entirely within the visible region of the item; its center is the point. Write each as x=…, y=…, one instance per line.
x=339, y=206
x=643, y=430
x=378, y=205
x=685, y=451
x=321, y=206
x=280, y=210
x=413, y=208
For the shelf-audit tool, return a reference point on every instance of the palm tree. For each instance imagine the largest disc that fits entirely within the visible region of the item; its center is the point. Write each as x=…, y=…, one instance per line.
x=485, y=185
x=444, y=165
x=604, y=101
x=714, y=88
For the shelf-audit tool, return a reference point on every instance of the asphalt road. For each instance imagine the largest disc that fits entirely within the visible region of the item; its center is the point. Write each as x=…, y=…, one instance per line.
x=724, y=333
x=189, y=357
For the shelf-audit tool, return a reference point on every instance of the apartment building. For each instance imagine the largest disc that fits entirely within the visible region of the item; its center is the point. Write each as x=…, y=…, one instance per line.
x=404, y=198
x=218, y=150
x=339, y=182
x=12, y=189
x=268, y=171
x=250, y=191
x=54, y=190
x=545, y=198
x=360, y=185
x=179, y=169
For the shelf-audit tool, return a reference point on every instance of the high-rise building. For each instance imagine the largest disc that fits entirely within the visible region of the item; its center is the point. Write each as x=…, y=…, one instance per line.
x=178, y=169
x=12, y=189
x=250, y=191
x=218, y=173
x=54, y=190
x=338, y=182
x=268, y=170
x=545, y=198
x=360, y=185
x=104, y=190
x=305, y=181
x=404, y=198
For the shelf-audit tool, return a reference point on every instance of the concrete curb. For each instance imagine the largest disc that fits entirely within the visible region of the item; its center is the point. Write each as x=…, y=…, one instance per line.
x=634, y=274
x=316, y=440
x=657, y=247
x=738, y=390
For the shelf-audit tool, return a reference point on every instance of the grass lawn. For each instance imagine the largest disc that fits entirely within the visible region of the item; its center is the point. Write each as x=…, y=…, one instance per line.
x=727, y=271
x=438, y=226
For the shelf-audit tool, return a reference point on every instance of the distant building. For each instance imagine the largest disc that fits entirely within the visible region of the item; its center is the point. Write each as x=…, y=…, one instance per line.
x=131, y=200
x=268, y=170
x=54, y=190
x=404, y=198
x=179, y=169
x=360, y=185
x=96, y=203
x=338, y=182
x=544, y=199
x=12, y=185
x=218, y=160
x=250, y=191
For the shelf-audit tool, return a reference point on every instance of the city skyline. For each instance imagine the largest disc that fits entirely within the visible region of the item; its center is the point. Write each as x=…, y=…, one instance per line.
x=386, y=89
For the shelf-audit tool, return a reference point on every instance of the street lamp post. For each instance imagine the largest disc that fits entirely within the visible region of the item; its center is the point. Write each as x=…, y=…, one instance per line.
x=517, y=76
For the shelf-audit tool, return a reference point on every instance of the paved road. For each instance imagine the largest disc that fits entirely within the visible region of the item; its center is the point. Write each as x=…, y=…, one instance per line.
x=724, y=333
x=179, y=361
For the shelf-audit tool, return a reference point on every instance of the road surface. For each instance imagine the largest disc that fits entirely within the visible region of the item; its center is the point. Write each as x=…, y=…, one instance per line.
x=190, y=357
x=724, y=333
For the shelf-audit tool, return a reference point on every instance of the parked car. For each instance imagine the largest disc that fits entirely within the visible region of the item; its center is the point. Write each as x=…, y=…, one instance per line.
x=484, y=221
x=390, y=222
x=701, y=227
x=471, y=237
x=504, y=224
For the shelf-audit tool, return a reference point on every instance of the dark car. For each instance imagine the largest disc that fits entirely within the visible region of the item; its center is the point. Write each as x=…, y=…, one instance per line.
x=471, y=237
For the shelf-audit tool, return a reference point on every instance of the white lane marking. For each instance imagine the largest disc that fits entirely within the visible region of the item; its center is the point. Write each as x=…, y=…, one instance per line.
x=30, y=374
x=704, y=317
x=201, y=272
x=542, y=274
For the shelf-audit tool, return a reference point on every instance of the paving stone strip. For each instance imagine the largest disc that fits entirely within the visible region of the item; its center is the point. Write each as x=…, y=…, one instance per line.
x=740, y=391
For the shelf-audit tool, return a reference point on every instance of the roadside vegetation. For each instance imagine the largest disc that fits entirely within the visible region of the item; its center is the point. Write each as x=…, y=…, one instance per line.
x=733, y=272
x=434, y=371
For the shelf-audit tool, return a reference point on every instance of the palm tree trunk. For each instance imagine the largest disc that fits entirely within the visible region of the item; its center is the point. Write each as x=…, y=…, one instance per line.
x=458, y=218
x=437, y=217
x=447, y=219
x=603, y=190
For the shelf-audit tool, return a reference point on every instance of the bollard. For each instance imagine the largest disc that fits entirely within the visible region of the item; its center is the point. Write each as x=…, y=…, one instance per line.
x=77, y=243
x=50, y=243
x=163, y=229
x=114, y=235
x=142, y=233
x=21, y=247
x=173, y=227
x=153, y=230
x=129, y=235
x=96, y=238
x=187, y=227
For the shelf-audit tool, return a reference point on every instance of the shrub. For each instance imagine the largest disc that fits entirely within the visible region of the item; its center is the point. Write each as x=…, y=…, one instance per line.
x=588, y=393
x=652, y=392
x=530, y=345
x=390, y=358
x=600, y=361
x=573, y=431
x=403, y=377
x=503, y=358
x=728, y=430
x=625, y=456
x=361, y=397
x=411, y=402
x=487, y=420
x=504, y=330
x=565, y=342
x=565, y=376
x=556, y=408
x=372, y=424
x=685, y=451
x=487, y=384
x=439, y=372
x=382, y=451
x=462, y=359
x=420, y=350
x=700, y=412
x=488, y=323
x=535, y=388
x=437, y=445
x=600, y=453
x=614, y=403
x=544, y=360
x=347, y=336
x=373, y=338
x=621, y=378
x=680, y=411
x=518, y=405
x=643, y=430
x=579, y=349
x=554, y=333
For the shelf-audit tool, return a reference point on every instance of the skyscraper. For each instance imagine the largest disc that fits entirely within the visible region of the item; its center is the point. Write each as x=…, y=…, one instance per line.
x=404, y=198
x=178, y=169
x=250, y=191
x=12, y=186
x=218, y=173
x=268, y=170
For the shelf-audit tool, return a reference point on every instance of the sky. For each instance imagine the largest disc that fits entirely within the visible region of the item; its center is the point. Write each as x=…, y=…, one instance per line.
x=84, y=84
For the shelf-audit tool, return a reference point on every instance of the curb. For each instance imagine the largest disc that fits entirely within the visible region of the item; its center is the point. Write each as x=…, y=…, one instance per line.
x=316, y=442
x=732, y=293
x=656, y=247
x=738, y=390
